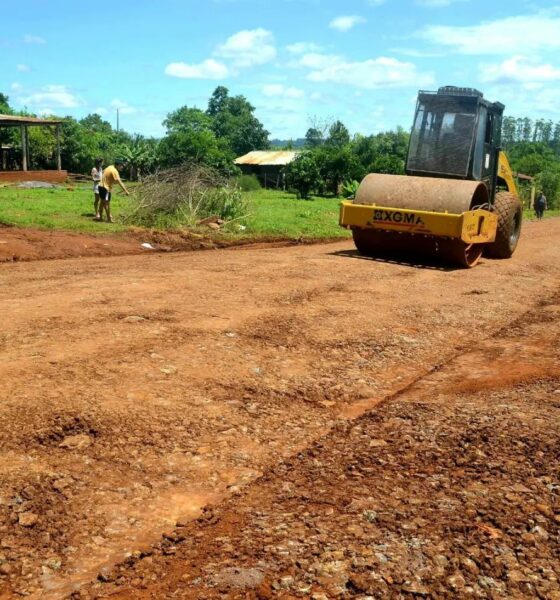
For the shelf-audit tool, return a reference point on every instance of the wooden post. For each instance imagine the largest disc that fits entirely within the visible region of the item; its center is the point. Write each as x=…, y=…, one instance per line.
x=27, y=147
x=58, y=161
x=23, y=149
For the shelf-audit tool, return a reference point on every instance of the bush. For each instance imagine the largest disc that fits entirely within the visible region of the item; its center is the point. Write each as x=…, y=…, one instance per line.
x=183, y=196
x=549, y=182
x=350, y=189
x=303, y=176
x=249, y=183
x=225, y=202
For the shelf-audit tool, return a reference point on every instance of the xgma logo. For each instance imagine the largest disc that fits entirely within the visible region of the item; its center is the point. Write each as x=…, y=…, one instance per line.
x=390, y=216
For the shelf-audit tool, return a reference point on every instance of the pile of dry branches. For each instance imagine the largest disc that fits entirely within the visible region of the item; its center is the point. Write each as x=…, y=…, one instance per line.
x=183, y=196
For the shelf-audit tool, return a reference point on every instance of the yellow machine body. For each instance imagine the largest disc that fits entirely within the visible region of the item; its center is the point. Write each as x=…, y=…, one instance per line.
x=403, y=211
x=472, y=226
x=505, y=173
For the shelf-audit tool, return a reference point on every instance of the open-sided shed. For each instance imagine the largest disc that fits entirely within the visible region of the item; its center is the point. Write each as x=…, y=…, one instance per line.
x=23, y=173
x=267, y=165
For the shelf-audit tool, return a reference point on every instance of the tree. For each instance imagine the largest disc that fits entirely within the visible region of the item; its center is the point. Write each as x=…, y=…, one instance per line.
x=6, y=133
x=549, y=182
x=218, y=101
x=302, y=174
x=78, y=148
x=382, y=153
x=338, y=135
x=42, y=147
x=336, y=165
x=5, y=105
x=233, y=119
x=531, y=158
x=314, y=138
x=95, y=124
x=140, y=156
x=190, y=138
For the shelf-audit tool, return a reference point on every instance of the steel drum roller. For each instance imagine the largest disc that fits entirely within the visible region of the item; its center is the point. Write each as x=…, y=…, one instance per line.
x=421, y=193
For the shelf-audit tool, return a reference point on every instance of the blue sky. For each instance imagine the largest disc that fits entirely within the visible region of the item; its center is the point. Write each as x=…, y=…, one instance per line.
x=297, y=61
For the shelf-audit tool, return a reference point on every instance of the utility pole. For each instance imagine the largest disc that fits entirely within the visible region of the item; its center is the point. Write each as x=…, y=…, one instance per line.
x=117, y=120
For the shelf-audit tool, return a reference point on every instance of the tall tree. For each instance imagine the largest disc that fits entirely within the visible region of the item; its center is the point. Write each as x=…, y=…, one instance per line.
x=314, y=138
x=233, y=119
x=218, y=101
x=95, y=124
x=4, y=104
x=190, y=138
x=338, y=134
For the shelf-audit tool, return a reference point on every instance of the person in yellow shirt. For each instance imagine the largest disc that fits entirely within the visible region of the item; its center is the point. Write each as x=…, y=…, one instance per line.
x=110, y=177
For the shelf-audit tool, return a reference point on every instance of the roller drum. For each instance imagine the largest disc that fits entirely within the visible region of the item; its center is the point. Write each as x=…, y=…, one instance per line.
x=421, y=193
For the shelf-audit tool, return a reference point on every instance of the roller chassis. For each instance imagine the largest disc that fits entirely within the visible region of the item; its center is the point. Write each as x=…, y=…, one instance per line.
x=448, y=202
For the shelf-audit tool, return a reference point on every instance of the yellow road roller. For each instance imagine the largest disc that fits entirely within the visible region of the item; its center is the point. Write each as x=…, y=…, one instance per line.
x=458, y=198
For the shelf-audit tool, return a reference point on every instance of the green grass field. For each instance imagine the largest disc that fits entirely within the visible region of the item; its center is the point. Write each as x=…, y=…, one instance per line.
x=270, y=213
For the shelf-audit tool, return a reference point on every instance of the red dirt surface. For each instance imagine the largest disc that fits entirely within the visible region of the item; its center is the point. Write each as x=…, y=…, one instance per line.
x=361, y=428
x=23, y=244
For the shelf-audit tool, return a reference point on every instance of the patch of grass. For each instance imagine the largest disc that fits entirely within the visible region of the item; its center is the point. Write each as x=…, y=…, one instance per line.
x=270, y=213
x=57, y=208
x=529, y=215
x=277, y=213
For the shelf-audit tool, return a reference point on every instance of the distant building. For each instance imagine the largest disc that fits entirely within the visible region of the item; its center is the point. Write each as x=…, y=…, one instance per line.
x=268, y=165
x=17, y=167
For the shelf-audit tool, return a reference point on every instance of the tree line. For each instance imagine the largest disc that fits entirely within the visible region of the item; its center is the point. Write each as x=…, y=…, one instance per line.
x=228, y=128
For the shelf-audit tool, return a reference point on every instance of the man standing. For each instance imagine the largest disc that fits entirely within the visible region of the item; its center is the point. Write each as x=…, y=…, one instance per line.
x=110, y=177
x=96, y=175
x=540, y=205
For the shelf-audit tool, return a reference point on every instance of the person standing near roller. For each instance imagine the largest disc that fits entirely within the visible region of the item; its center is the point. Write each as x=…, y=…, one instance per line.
x=540, y=205
x=96, y=175
x=110, y=177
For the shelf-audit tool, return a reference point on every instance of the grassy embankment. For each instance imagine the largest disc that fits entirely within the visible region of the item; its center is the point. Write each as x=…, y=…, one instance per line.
x=270, y=213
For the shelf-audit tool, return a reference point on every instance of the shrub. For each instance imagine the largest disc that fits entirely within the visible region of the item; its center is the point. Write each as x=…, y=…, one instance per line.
x=183, y=196
x=549, y=182
x=249, y=183
x=350, y=188
x=303, y=176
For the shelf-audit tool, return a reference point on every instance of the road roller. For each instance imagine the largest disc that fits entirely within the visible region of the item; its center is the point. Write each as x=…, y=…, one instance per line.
x=458, y=199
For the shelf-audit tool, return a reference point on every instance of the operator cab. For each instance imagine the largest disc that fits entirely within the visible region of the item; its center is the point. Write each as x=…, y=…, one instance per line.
x=456, y=134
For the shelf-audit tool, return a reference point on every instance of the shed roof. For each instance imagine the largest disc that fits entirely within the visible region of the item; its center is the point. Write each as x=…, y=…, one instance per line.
x=259, y=157
x=17, y=120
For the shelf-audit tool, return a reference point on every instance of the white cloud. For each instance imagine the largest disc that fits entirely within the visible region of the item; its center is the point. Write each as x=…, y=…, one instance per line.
x=532, y=33
x=303, y=48
x=53, y=96
x=34, y=39
x=16, y=87
x=277, y=90
x=415, y=53
x=437, y=3
x=248, y=48
x=22, y=68
x=521, y=100
x=124, y=107
x=381, y=72
x=208, y=69
x=376, y=2
x=100, y=110
x=316, y=60
x=345, y=23
x=520, y=69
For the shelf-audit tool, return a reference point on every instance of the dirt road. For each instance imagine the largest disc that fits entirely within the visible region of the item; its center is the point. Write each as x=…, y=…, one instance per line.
x=137, y=390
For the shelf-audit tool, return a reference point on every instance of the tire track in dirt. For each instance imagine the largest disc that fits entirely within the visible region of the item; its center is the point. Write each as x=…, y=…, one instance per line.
x=265, y=351
x=445, y=490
